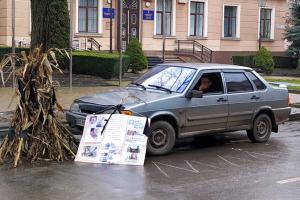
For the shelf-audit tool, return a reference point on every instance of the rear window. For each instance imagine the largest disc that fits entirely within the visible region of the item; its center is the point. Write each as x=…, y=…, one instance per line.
x=237, y=82
x=257, y=82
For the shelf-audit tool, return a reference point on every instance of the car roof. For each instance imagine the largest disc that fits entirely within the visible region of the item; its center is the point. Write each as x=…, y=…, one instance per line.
x=205, y=66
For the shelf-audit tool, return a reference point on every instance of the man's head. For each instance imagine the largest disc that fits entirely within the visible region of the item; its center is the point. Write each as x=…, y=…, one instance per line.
x=205, y=83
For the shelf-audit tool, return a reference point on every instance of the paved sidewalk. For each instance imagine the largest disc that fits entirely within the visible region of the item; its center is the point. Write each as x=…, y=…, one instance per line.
x=65, y=95
x=295, y=98
x=80, y=80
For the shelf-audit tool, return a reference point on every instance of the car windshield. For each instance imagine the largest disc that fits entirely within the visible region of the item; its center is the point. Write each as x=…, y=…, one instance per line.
x=173, y=79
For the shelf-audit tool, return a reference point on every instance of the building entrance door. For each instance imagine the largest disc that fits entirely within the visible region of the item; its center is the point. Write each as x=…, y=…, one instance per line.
x=130, y=24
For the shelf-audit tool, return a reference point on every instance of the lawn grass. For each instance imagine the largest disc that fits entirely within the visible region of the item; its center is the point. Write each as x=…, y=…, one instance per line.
x=283, y=79
x=294, y=88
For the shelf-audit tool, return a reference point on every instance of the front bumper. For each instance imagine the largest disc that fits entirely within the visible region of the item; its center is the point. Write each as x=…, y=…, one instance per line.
x=75, y=122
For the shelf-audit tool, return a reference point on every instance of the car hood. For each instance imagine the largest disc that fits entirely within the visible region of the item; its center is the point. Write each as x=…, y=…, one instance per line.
x=125, y=96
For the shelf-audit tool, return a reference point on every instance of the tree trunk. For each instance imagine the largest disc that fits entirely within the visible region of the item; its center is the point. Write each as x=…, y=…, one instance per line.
x=50, y=24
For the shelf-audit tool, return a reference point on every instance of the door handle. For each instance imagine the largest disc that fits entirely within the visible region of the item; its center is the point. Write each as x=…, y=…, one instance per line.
x=222, y=99
x=254, y=97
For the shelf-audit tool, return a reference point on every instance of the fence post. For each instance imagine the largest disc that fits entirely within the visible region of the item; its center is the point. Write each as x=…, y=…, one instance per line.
x=178, y=46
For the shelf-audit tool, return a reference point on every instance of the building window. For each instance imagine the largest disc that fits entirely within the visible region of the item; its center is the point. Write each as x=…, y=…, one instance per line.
x=230, y=21
x=196, y=18
x=88, y=16
x=168, y=18
x=265, y=23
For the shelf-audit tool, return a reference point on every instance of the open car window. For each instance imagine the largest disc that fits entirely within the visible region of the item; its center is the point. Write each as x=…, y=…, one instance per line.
x=210, y=83
x=176, y=79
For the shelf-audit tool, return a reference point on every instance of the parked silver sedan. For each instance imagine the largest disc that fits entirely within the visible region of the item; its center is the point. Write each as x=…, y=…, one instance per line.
x=184, y=100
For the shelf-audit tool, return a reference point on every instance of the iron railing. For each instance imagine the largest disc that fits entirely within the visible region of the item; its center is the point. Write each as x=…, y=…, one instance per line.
x=194, y=48
x=94, y=44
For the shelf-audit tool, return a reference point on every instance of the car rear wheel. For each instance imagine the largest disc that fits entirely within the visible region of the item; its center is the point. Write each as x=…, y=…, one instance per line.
x=262, y=128
x=161, y=139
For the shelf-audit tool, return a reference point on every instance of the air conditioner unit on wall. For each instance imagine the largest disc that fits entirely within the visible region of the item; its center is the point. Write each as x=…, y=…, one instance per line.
x=182, y=1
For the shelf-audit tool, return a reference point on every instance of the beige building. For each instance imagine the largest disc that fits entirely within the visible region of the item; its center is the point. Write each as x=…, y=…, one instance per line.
x=23, y=25
x=226, y=27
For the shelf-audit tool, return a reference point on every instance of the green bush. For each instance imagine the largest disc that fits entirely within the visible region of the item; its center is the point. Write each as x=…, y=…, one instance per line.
x=6, y=50
x=63, y=60
x=104, y=65
x=138, y=60
x=285, y=62
x=264, y=60
x=279, y=61
x=243, y=60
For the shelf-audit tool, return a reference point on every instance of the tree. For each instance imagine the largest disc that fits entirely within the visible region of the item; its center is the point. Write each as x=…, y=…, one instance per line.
x=138, y=61
x=50, y=24
x=292, y=31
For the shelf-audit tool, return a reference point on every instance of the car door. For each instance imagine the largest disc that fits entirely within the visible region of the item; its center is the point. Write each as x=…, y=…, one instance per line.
x=242, y=99
x=261, y=89
x=209, y=113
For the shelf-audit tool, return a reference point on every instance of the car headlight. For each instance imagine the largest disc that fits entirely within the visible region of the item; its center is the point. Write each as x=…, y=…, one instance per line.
x=75, y=107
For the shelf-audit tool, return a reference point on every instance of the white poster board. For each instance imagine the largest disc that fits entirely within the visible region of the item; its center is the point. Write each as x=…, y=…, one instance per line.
x=122, y=142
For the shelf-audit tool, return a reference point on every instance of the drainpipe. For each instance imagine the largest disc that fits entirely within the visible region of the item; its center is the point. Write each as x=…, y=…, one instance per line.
x=70, y=45
x=13, y=8
x=110, y=24
x=120, y=29
x=163, y=30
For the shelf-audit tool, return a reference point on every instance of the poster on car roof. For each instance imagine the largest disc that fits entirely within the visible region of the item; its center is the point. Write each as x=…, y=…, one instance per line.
x=121, y=142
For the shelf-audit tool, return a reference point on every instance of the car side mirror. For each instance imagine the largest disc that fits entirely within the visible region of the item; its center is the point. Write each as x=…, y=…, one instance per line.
x=194, y=94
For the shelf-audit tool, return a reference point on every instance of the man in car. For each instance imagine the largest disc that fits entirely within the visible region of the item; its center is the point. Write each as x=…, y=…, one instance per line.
x=205, y=84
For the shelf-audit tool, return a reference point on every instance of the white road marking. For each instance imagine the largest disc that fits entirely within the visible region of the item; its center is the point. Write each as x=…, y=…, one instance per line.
x=262, y=154
x=164, y=173
x=180, y=168
x=205, y=164
x=243, y=159
x=251, y=155
x=189, y=164
x=289, y=180
x=227, y=161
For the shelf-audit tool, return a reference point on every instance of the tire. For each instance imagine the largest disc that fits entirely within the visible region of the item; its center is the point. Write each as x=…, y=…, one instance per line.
x=262, y=129
x=161, y=138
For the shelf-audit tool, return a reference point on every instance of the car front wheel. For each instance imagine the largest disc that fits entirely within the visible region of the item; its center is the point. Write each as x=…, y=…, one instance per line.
x=161, y=139
x=262, y=128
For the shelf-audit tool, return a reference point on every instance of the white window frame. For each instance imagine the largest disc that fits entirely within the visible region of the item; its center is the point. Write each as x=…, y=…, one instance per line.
x=173, y=31
x=238, y=21
x=272, y=35
x=100, y=18
x=205, y=17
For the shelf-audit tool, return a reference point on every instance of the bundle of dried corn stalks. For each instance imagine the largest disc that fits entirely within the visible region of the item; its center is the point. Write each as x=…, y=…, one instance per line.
x=35, y=131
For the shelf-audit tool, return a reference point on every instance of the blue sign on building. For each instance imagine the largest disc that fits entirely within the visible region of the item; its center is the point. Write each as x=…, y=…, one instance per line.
x=148, y=14
x=106, y=13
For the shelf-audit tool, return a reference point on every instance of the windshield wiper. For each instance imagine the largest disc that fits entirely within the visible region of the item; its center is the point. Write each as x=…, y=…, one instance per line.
x=161, y=87
x=137, y=84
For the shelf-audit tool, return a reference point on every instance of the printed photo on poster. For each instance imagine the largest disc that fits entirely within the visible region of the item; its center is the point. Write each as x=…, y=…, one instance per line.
x=88, y=153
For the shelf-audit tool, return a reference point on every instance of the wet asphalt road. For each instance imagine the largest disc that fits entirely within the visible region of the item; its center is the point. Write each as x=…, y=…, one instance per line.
x=226, y=166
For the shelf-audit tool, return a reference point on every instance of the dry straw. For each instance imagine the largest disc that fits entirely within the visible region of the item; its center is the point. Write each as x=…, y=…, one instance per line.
x=36, y=133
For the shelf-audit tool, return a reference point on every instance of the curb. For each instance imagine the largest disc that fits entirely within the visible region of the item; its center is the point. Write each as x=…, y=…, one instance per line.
x=294, y=91
x=4, y=125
